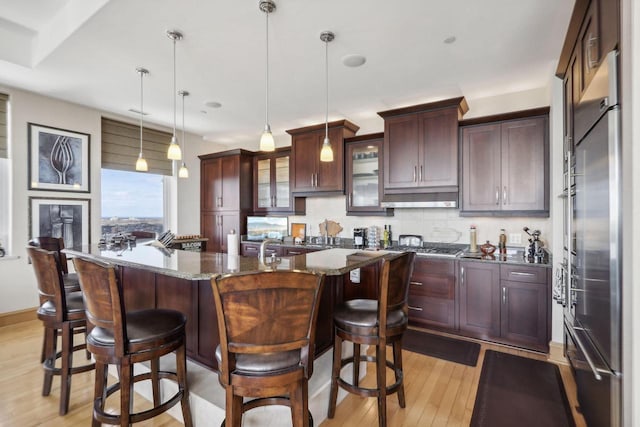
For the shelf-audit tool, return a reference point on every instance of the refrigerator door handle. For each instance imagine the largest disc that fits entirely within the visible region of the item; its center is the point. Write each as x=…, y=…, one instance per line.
x=594, y=369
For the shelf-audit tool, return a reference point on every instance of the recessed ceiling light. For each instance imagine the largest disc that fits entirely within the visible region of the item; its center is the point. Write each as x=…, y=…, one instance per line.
x=450, y=40
x=353, y=60
x=213, y=104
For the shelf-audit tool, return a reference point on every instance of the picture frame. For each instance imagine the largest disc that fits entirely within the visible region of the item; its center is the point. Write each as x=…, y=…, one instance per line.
x=59, y=217
x=59, y=159
x=298, y=231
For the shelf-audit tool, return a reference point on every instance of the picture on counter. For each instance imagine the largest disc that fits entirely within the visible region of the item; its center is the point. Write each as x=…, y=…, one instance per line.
x=267, y=227
x=298, y=232
x=58, y=159
x=66, y=218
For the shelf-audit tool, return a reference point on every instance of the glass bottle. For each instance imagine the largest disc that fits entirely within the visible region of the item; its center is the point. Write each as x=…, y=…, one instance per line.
x=473, y=239
x=502, y=245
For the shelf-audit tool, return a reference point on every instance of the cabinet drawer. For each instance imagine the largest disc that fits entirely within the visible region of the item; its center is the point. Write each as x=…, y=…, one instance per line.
x=431, y=266
x=427, y=311
x=433, y=286
x=519, y=273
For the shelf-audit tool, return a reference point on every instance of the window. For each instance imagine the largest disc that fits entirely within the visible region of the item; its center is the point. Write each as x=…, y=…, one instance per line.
x=132, y=201
x=5, y=177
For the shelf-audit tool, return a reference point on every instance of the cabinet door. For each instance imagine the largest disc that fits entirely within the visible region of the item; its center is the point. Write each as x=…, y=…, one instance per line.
x=330, y=176
x=589, y=45
x=438, y=132
x=250, y=249
x=280, y=188
x=209, y=230
x=362, y=174
x=524, y=167
x=230, y=184
x=210, y=184
x=481, y=168
x=263, y=187
x=305, y=153
x=402, y=151
x=480, y=299
x=228, y=221
x=524, y=314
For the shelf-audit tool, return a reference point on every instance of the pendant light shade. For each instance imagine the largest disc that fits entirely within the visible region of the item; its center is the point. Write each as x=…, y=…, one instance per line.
x=141, y=163
x=266, y=140
x=183, y=172
x=174, y=152
x=326, y=153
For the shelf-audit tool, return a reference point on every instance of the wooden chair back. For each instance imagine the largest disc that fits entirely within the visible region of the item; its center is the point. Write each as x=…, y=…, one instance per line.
x=395, y=277
x=267, y=312
x=103, y=300
x=49, y=279
x=55, y=244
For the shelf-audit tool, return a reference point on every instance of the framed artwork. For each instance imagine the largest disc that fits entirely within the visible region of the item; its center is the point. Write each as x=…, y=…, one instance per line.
x=66, y=218
x=298, y=232
x=58, y=159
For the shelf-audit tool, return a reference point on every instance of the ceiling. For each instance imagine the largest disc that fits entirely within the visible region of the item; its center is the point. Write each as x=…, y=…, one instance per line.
x=87, y=51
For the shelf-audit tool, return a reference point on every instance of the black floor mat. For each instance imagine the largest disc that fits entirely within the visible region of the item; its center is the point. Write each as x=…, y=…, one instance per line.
x=522, y=392
x=453, y=350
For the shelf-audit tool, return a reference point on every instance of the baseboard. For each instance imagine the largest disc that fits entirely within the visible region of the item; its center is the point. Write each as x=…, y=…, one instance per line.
x=556, y=353
x=13, y=317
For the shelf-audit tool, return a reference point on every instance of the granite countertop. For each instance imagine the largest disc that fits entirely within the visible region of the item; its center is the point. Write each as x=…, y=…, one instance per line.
x=511, y=257
x=204, y=265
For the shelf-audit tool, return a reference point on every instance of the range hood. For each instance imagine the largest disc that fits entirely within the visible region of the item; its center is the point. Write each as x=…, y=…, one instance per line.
x=421, y=200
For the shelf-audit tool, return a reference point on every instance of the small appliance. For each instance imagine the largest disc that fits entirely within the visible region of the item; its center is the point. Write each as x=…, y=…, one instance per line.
x=359, y=238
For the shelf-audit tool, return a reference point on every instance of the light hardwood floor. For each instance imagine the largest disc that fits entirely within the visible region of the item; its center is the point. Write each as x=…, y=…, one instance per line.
x=438, y=393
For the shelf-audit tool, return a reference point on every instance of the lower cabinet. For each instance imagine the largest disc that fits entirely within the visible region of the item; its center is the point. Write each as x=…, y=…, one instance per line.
x=505, y=303
x=253, y=250
x=432, y=298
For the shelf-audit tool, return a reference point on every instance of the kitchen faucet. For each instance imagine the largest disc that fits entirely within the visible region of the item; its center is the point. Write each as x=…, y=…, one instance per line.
x=262, y=247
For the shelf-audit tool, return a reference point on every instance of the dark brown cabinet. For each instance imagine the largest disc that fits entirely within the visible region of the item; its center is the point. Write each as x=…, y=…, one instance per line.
x=506, y=303
x=310, y=176
x=272, y=184
x=363, y=172
x=253, y=250
x=421, y=147
x=505, y=167
x=226, y=196
x=432, y=294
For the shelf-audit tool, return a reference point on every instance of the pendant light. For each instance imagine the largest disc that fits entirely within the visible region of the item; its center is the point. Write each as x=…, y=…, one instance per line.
x=174, y=152
x=326, y=154
x=266, y=140
x=183, y=172
x=141, y=163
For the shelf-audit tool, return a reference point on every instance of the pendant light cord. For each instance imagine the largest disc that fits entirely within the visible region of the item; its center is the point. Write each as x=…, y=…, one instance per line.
x=141, y=108
x=326, y=62
x=174, y=87
x=266, y=114
x=183, y=143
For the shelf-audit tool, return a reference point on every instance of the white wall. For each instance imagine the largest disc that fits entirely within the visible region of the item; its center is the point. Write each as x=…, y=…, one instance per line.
x=18, y=288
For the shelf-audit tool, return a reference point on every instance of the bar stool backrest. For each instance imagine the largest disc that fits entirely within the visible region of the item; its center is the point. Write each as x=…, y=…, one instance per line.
x=394, y=285
x=55, y=244
x=49, y=279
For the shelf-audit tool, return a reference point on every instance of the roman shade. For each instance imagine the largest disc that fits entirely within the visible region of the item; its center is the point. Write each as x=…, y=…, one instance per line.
x=3, y=125
x=121, y=146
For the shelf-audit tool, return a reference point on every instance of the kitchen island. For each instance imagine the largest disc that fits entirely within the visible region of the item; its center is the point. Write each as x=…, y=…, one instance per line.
x=154, y=277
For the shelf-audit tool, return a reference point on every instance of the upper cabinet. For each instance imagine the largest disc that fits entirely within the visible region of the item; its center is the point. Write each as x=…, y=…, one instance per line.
x=505, y=165
x=363, y=172
x=310, y=176
x=421, y=147
x=272, y=184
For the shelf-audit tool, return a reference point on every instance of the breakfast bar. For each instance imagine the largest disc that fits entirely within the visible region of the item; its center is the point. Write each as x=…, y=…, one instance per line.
x=154, y=277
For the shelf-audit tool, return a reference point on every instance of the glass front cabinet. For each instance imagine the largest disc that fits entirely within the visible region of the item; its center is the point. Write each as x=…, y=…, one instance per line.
x=272, y=192
x=363, y=167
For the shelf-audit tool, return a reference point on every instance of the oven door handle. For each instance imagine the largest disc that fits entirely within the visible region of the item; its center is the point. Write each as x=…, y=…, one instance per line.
x=594, y=369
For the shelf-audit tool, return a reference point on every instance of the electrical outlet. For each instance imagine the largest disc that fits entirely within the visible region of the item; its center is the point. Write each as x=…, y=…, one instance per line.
x=515, y=238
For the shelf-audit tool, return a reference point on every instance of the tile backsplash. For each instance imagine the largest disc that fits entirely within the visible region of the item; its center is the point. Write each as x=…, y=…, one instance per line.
x=440, y=225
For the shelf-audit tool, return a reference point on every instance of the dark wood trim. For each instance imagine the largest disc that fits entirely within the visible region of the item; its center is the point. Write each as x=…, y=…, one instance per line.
x=366, y=137
x=278, y=150
x=504, y=214
x=459, y=102
x=542, y=111
x=226, y=153
x=338, y=123
x=579, y=11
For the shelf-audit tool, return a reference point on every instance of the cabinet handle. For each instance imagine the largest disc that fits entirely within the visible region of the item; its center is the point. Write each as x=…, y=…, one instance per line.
x=312, y=180
x=461, y=276
x=350, y=199
x=520, y=273
x=416, y=283
x=415, y=172
x=294, y=253
x=316, y=179
x=504, y=195
x=504, y=295
x=497, y=195
x=590, y=62
x=420, y=178
x=415, y=308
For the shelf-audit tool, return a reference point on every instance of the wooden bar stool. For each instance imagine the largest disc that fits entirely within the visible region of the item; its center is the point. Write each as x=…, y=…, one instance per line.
x=267, y=323
x=123, y=338
x=56, y=244
x=376, y=323
x=59, y=311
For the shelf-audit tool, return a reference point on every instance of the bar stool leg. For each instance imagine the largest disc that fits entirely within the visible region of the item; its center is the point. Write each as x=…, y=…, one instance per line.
x=381, y=357
x=100, y=389
x=65, y=370
x=181, y=372
x=397, y=363
x=50, y=358
x=335, y=374
x=155, y=381
x=126, y=391
x=356, y=364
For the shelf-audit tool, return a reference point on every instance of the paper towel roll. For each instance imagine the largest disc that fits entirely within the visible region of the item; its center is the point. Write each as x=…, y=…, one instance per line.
x=232, y=263
x=232, y=243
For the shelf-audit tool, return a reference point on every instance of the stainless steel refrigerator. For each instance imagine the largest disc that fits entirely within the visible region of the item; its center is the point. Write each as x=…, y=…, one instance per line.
x=593, y=264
